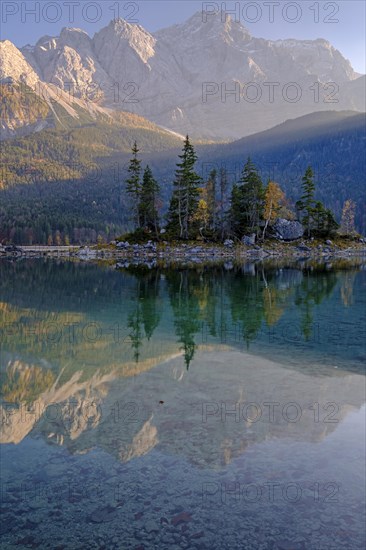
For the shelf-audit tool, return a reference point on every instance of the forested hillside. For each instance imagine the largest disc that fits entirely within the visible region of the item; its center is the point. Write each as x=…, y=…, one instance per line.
x=76, y=178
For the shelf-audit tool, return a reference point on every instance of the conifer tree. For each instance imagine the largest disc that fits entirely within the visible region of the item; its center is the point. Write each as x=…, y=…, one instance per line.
x=184, y=201
x=133, y=184
x=211, y=198
x=223, y=192
x=148, y=214
x=323, y=220
x=247, y=201
x=236, y=213
x=306, y=203
x=316, y=218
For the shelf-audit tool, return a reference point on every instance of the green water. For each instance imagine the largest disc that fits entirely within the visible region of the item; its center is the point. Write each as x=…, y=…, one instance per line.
x=190, y=408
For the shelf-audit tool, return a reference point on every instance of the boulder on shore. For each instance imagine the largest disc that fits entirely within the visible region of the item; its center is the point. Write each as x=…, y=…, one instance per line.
x=248, y=240
x=287, y=230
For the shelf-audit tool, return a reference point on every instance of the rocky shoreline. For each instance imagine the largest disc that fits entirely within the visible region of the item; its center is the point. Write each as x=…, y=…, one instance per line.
x=151, y=252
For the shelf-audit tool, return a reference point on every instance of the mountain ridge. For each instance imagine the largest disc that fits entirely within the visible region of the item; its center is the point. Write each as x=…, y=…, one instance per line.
x=181, y=77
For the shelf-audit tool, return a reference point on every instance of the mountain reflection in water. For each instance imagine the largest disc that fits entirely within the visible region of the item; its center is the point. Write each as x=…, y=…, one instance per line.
x=181, y=388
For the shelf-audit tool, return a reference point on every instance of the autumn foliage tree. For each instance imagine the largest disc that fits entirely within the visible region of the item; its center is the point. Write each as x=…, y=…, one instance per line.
x=273, y=199
x=348, y=217
x=202, y=216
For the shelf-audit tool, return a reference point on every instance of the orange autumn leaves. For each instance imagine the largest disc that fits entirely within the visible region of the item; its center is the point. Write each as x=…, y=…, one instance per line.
x=274, y=199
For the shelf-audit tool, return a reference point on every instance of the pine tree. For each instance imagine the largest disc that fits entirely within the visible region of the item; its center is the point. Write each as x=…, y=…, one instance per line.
x=184, y=201
x=133, y=185
x=332, y=225
x=148, y=214
x=223, y=193
x=211, y=199
x=135, y=324
x=182, y=289
x=247, y=201
x=236, y=214
x=306, y=203
x=323, y=220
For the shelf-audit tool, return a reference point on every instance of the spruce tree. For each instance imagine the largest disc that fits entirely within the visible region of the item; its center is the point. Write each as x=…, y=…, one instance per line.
x=247, y=201
x=148, y=214
x=223, y=193
x=133, y=185
x=211, y=198
x=236, y=214
x=306, y=203
x=184, y=201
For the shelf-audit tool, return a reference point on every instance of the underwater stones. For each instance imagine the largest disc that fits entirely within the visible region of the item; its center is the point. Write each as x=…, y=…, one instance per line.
x=151, y=527
x=103, y=515
x=289, y=545
x=198, y=535
x=182, y=517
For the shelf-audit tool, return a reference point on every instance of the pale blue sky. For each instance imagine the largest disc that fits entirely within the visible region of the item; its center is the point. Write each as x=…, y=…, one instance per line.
x=340, y=22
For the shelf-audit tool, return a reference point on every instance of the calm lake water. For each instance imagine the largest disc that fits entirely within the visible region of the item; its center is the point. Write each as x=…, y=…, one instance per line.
x=204, y=408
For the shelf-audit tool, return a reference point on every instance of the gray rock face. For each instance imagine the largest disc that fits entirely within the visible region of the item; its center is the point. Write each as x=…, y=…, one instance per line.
x=182, y=77
x=69, y=62
x=248, y=240
x=287, y=230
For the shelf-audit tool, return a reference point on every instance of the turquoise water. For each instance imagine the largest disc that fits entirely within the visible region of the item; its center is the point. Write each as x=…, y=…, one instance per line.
x=190, y=408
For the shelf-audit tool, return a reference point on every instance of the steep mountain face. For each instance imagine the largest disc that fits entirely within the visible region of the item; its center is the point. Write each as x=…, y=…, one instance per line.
x=68, y=62
x=29, y=103
x=13, y=65
x=59, y=85
x=225, y=55
x=209, y=78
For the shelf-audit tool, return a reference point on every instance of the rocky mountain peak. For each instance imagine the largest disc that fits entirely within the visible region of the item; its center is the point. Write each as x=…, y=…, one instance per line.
x=14, y=66
x=191, y=77
x=74, y=37
x=207, y=26
x=130, y=34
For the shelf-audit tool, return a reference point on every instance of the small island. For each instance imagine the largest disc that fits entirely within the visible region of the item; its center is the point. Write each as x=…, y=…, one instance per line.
x=207, y=221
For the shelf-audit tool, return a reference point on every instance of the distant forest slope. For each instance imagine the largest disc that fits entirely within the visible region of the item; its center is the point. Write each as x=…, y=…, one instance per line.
x=333, y=143
x=76, y=177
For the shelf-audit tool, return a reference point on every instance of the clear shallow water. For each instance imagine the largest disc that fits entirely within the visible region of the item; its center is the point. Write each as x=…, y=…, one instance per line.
x=211, y=408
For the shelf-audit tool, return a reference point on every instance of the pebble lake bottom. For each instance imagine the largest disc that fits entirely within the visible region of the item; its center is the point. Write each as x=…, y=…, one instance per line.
x=196, y=408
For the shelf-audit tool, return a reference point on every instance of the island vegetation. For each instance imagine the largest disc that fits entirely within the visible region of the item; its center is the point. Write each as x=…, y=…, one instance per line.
x=207, y=211
x=193, y=208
